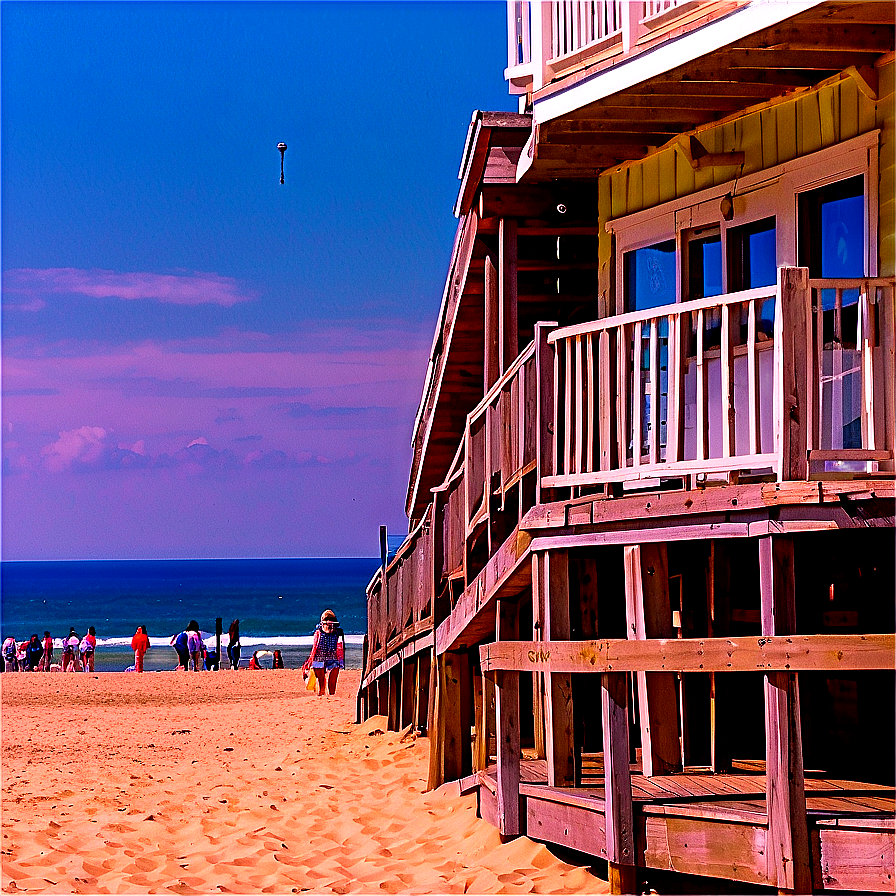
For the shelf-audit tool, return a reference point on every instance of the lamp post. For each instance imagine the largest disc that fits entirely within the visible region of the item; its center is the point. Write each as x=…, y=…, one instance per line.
x=282, y=148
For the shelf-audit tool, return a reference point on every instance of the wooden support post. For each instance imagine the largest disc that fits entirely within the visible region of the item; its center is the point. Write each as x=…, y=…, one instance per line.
x=435, y=729
x=618, y=784
x=424, y=701
x=382, y=686
x=507, y=725
x=558, y=711
x=718, y=590
x=538, y=634
x=408, y=692
x=584, y=605
x=788, y=851
x=544, y=390
x=649, y=615
x=793, y=390
x=480, y=740
x=492, y=359
x=394, y=720
x=507, y=290
x=457, y=709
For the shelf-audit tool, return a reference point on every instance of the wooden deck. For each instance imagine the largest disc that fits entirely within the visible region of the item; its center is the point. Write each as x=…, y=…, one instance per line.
x=714, y=824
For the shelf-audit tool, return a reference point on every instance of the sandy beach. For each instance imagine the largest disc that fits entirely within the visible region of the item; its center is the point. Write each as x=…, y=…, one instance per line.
x=235, y=783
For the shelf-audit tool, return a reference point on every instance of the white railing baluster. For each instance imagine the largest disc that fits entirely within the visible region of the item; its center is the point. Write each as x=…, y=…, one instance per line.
x=752, y=379
x=653, y=435
x=623, y=384
x=637, y=397
x=579, y=401
x=727, y=384
x=591, y=384
x=702, y=392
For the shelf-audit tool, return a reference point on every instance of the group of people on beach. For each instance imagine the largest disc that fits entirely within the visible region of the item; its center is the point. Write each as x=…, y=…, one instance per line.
x=35, y=655
x=326, y=659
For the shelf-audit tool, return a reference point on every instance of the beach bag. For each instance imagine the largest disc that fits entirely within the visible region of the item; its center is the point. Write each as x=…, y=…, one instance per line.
x=312, y=682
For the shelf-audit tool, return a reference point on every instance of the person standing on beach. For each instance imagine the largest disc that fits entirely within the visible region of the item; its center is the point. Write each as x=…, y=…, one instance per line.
x=139, y=644
x=34, y=652
x=10, y=649
x=327, y=653
x=70, y=659
x=194, y=644
x=87, y=649
x=233, y=644
x=47, y=659
x=179, y=643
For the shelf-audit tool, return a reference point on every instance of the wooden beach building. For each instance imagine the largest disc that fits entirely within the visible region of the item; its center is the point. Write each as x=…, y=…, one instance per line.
x=646, y=605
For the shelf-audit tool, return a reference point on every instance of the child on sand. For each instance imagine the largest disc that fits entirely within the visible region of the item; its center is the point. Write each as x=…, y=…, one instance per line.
x=327, y=653
x=139, y=644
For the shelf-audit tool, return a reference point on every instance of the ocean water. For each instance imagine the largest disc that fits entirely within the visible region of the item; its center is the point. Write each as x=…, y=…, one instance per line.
x=278, y=603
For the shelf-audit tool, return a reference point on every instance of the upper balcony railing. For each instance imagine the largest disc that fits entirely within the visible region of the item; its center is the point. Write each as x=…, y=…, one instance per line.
x=547, y=36
x=781, y=381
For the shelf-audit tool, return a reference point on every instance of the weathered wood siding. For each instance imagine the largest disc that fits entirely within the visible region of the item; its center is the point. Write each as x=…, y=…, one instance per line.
x=777, y=133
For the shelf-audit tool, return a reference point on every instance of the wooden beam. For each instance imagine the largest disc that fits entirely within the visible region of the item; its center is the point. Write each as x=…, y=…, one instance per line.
x=492, y=363
x=507, y=726
x=544, y=388
x=789, y=853
x=749, y=653
x=553, y=579
x=618, y=813
x=508, y=346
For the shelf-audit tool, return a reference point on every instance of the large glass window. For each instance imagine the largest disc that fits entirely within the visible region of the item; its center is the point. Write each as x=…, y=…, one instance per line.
x=752, y=262
x=649, y=276
x=832, y=245
x=705, y=264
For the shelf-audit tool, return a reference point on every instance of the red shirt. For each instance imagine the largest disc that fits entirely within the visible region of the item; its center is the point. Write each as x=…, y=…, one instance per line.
x=140, y=643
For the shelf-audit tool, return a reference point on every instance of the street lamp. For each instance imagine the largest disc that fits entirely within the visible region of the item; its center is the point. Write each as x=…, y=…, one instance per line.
x=282, y=148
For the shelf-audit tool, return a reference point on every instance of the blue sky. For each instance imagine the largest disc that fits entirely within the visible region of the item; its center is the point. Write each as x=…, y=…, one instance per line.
x=198, y=361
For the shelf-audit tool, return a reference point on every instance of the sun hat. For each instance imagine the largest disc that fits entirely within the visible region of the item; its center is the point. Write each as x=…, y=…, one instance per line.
x=328, y=616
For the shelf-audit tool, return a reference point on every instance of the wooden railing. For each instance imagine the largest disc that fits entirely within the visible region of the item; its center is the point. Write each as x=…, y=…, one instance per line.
x=399, y=597
x=500, y=439
x=545, y=37
x=742, y=382
x=847, y=402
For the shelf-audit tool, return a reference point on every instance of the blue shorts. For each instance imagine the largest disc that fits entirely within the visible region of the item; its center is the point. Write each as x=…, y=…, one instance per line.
x=328, y=665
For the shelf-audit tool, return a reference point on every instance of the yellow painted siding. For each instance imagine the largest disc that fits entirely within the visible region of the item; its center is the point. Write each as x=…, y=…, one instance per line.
x=812, y=121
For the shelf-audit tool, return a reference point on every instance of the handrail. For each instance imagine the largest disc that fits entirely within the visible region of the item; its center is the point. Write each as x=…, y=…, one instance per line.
x=506, y=377
x=637, y=317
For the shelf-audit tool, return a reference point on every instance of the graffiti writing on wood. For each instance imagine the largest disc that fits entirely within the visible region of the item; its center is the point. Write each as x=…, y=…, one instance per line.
x=539, y=656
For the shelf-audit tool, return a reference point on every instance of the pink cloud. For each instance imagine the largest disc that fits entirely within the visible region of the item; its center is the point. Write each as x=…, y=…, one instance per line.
x=84, y=446
x=189, y=288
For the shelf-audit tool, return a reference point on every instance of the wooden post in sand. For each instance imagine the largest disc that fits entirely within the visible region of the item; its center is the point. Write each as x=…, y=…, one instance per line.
x=507, y=724
x=551, y=578
x=618, y=784
x=788, y=850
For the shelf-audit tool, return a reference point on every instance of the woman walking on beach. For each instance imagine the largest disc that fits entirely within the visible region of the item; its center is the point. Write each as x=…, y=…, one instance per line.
x=139, y=644
x=327, y=653
x=233, y=644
